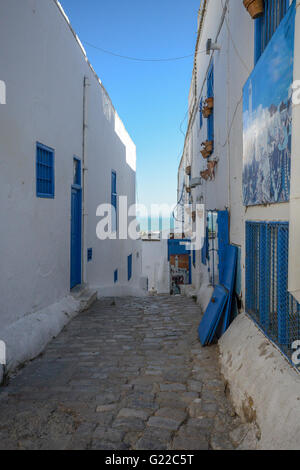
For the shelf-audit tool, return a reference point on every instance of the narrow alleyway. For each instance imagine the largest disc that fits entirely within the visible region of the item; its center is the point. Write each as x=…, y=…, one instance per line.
x=127, y=374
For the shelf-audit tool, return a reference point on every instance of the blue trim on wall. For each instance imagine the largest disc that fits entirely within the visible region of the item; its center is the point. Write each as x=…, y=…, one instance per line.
x=210, y=94
x=114, y=200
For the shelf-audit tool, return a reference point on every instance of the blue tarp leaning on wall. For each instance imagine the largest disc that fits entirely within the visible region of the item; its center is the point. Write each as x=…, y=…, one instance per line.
x=218, y=314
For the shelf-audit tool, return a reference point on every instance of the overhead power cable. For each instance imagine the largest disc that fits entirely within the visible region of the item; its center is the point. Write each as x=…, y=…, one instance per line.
x=141, y=59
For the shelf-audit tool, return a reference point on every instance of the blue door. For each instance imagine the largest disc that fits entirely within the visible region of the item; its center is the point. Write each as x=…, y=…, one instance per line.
x=75, y=237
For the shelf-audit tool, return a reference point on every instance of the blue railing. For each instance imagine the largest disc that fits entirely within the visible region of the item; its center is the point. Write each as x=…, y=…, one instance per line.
x=268, y=301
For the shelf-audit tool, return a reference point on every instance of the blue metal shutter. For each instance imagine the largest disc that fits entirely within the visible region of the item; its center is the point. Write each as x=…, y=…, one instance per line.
x=266, y=25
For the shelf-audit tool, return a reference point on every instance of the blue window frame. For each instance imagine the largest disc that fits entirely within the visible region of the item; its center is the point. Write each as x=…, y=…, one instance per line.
x=266, y=25
x=114, y=200
x=210, y=94
x=90, y=254
x=116, y=276
x=44, y=171
x=129, y=265
x=201, y=113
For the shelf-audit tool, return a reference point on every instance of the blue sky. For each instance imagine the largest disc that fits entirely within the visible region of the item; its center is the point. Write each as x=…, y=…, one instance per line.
x=151, y=98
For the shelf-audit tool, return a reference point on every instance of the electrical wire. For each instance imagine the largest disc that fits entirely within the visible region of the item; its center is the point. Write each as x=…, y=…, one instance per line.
x=141, y=59
x=233, y=43
x=178, y=203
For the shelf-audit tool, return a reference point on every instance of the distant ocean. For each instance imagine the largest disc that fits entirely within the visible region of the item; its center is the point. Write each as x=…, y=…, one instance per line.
x=165, y=223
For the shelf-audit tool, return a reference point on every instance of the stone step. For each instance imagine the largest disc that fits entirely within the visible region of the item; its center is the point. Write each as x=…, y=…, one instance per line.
x=85, y=295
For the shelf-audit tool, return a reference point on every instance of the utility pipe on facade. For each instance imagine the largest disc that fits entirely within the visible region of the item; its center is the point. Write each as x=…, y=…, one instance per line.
x=86, y=84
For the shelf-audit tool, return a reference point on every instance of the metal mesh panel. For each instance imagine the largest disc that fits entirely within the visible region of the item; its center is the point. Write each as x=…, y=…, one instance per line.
x=268, y=301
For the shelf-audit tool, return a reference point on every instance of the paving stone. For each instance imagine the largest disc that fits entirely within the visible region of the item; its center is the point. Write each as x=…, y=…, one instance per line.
x=150, y=443
x=201, y=423
x=209, y=408
x=108, y=434
x=129, y=413
x=195, y=408
x=165, y=399
x=171, y=413
x=107, y=398
x=195, y=386
x=104, y=408
x=129, y=424
x=164, y=423
x=187, y=442
x=172, y=387
x=102, y=445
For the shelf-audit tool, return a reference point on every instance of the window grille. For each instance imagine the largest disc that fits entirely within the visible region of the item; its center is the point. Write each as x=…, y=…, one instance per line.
x=44, y=171
x=268, y=301
x=267, y=24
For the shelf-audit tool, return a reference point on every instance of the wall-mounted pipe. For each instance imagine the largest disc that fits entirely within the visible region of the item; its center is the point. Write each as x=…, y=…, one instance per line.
x=86, y=84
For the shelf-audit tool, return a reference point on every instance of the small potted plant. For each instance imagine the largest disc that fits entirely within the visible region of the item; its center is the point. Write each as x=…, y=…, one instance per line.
x=188, y=189
x=209, y=102
x=255, y=8
x=204, y=175
x=188, y=170
x=205, y=154
x=206, y=111
x=208, y=145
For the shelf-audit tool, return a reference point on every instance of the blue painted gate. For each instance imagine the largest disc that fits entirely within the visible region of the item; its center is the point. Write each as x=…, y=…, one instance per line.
x=76, y=216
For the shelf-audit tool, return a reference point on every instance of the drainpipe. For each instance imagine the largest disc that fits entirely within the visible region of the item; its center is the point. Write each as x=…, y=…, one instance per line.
x=86, y=84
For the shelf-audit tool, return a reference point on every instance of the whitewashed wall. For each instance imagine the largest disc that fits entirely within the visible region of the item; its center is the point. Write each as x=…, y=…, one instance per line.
x=155, y=265
x=44, y=66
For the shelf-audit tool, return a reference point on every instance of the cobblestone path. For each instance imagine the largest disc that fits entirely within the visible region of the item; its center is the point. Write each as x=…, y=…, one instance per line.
x=126, y=374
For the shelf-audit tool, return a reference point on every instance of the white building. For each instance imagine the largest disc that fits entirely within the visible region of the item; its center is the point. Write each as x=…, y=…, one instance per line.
x=155, y=264
x=63, y=152
x=248, y=70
